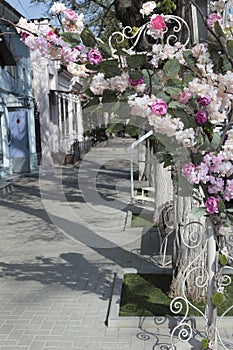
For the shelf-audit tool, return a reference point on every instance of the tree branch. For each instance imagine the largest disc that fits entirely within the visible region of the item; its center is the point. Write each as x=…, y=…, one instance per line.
x=220, y=39
x=104, y=15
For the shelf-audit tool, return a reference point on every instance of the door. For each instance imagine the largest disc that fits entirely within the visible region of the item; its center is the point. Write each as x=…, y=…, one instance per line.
x=19, y=141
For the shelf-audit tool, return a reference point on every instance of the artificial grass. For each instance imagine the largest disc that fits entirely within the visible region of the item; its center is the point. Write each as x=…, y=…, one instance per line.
x=147, y=295
x=142, y=220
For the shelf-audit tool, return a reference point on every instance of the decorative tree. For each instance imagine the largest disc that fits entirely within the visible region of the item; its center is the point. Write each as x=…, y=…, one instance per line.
x=185, y=96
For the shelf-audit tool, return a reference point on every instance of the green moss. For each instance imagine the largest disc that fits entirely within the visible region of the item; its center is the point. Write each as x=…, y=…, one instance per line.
x=205, y=343
x=142, y=220
x=147, y=295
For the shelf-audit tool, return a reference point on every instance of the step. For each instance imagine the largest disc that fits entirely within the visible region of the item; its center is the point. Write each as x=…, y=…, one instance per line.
x=147, y=189
x=143, y=198
x=6, y=188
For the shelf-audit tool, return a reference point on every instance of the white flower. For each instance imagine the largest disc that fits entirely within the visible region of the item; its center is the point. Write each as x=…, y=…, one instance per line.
x=57, y=8
x=78, y=70
x=225, y=168
x=228, y=146
x=186, y=137
x=98, y=84
x=147, y=8
x=119, y=83
x=139, y=105
x=165, y=125
x=139, y=88
x=24, y=25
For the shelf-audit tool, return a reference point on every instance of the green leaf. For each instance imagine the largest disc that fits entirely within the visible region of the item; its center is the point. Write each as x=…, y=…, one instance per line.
x=93, y=102
x=185, y=188
x=171, y=68
x=95, y=67
x=135, y=61
x=217, y=298
x=109, y=67
x=230, y=217
x=188, y=78
x=135, y=74
x=117, y=127
x=221, y=206
x=230, y=47
x=149, y=74
x=174, y=82
x=204, y=144
x=88, y=38
x=163, y=96
x=222, y=259
x=72, y=38
x=197, y=213
x=105, y=49
x=175, y=105
x=205, y=343
x=215, y=141
x=218, y=29
x=172, y=90
x=230, y=210
x=183, y=117
x=109, y=96
x=89, y=92
x=132, y=130
x=120, y=52
x=189, y=59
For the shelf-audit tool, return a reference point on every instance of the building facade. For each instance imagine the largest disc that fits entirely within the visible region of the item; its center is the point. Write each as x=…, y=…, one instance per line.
x=59, y=123
x=17, y=127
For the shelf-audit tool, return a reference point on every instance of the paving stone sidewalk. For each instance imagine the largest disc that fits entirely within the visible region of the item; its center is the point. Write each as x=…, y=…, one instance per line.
x=63, y=237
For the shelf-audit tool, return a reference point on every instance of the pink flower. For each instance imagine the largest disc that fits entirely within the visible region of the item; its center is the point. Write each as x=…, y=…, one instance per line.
x=187, y=169
x=94, y=56
x=214, y=17
x=136, y=82
x=204, y=101
x=184, y=97
x=51, y=35
x=24, y=36
x=211, y=205
x=201, y=117
x=157, y=22
x=70, y=15
x=159, y=107
x=228, y=194
x=217, y=185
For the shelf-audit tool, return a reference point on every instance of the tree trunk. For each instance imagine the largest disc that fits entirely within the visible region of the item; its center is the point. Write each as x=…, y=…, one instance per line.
x=127, y=11
x=189, y=257
x=163, y=189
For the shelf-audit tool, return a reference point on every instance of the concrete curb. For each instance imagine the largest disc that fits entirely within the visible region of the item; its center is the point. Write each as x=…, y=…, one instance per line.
x=158, y=323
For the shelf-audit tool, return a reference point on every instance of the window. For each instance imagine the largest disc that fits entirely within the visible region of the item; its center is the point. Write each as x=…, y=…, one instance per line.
x=62, y=116
x=67, y=116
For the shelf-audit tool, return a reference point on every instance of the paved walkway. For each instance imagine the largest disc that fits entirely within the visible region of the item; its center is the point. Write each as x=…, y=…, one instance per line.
x=63, y=236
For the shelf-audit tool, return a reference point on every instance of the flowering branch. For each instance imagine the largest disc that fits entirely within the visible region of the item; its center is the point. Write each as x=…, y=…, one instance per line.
x=219, y=38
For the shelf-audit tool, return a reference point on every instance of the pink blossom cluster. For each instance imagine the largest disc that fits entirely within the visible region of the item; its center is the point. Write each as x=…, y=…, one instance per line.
x=214, y=171
x=164, y=52
x=157, y=26
x=71, y=21
x=51, y=44
x=213, y=96
x=118, y=83
x=214, y=17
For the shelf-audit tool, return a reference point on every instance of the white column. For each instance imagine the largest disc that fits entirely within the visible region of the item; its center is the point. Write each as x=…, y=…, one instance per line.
x=80, y=121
